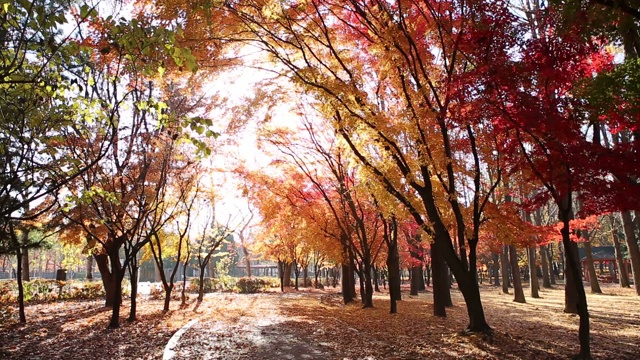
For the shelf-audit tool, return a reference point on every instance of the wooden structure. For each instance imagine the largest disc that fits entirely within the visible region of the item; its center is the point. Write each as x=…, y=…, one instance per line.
x=604, y=260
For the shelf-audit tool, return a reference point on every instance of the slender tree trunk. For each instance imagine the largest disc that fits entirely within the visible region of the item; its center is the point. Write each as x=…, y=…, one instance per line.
x=305, y=276
x=622, y=267
x=247, y=261
x=23, y=318
x=552, y=278
x=546, y=281
x=495, y=266
x=133, y=274
x=201, y=284
x=376, y=279
x=593, y=278
x=184, y=281
x=167, y=298
x=632, y=246
x=515, y=274
x=533, y=272
x=573, y=267
x=25, y=264
x=281, y=274
x=504, y=269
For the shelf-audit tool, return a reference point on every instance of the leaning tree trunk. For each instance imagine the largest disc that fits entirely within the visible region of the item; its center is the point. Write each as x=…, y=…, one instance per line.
x=593, y=278
x=518, y=293
x=504, y=269
x=632, y=246
x=201, y=284
x=533, y=272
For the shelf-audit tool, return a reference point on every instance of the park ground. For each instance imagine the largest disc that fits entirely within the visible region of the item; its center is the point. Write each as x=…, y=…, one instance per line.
x=313, y=324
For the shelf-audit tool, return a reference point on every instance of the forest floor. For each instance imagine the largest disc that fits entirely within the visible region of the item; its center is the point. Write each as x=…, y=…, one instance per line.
x=313, y=324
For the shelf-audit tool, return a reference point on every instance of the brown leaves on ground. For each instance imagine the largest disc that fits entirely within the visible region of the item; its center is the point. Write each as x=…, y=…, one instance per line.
x=314, y=325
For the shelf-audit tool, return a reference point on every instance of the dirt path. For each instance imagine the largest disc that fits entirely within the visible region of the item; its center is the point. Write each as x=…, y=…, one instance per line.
x=249, y=326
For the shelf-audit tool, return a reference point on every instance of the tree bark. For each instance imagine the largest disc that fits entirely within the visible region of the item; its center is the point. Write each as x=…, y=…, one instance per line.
x=622, y=267
x=393, y=266
x=441, y=290
x=133, y=274
x=415, y=280
x=495, y=266
x=25, y=264
x=570, y=291
x=23, y=318
x=632, y=246
x=116, y=283
x=533, y=272
x=518, y=293
x=546, y=281
x=552, y=274
x=504, y=269
x=102, y=261
x=346, y=284
x=593, y=278
x=89, y=267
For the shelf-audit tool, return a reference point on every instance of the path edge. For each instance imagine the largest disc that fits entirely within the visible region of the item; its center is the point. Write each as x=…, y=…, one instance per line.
x=168, y=352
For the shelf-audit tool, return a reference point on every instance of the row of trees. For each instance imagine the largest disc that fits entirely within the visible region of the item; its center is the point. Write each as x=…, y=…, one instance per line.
x=432, y=126
x=461, y=118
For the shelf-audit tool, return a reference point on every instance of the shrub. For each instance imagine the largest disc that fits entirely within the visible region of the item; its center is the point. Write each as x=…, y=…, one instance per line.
x=248, y=285
x=194, y=285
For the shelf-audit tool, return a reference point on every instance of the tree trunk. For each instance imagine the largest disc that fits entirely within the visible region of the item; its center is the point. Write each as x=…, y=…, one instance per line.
x=415, y=280
x=504, y=269
x=495, y=266
x=287, y=274
x=393, y=267
x=376, y=279
x=570, y=291
x=622, y=267
x=19, y=279
x=368, y=285
x=552, y=272
x=89, y=267
x=247, y=260
x=305, y=276
x=281, y=274
x=441, y=291
x=593, y=278
x=515, y=274
x=571, y=251
x=546, y=281
x=133, y=274
x=25, y=264
x=116, y=280
x=346, y=284
x=632, y=246
x=157, y=277
x=201, y=284
x=533, y=272
x=102, y=261
x=167, y=298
